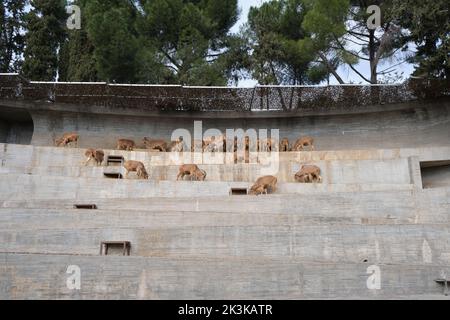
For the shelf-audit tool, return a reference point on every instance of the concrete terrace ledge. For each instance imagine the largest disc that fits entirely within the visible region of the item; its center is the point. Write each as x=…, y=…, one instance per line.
x=166, y=278
x=26, y=155
x=16, y=187
x=325, y=242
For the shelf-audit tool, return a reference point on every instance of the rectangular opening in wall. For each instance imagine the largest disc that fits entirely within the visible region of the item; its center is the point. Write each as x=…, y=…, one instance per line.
x=115, y=160
x=85, y=206
x=238, y=192
x=113, y=175
x=115, y=248
x=435, y=174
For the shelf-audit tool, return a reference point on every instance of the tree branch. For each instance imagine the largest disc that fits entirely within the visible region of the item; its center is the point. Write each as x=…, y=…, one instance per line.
x=359, y=73
x=176, y=64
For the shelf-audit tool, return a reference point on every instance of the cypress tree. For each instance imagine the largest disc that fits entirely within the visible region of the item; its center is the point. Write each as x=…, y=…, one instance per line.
x=11, y=38
x=45, y=25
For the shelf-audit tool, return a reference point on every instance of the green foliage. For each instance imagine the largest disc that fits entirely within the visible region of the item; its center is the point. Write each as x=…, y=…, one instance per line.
x=111, y=31
x=429, y=25
x=11, y=38
x=45, y=31
x=189, y=38
x=189, y=42
x=326, y=20
x=283, y=50
x=76, y=59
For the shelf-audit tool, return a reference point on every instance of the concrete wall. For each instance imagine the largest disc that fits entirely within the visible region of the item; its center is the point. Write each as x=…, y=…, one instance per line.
x=192, y=240
x=426, y=206
x=20, y=133
x=412, y=127
x=333, y=172
x=4, y=129
x=386, y=167
x=45, y=277
x=319, y=242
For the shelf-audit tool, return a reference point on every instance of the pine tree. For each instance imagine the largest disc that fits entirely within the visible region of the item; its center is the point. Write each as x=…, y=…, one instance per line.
x=282, y=51
x=187, y=39
x=111, y=36
x=45, y=25
x=428, y=23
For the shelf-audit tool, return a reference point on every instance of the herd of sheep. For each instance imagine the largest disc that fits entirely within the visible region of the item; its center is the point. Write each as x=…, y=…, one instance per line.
x=264, y=185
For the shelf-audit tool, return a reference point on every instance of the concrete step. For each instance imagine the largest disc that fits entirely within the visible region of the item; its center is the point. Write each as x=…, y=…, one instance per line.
x=28, y=156
x=20, y=187
x=395, y=171
x=423, y=243
x=431, y=205
x=31, y=219
x=45, y=277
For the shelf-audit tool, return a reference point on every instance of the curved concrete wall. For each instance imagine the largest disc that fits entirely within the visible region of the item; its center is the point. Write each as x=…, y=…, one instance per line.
x=413, y=125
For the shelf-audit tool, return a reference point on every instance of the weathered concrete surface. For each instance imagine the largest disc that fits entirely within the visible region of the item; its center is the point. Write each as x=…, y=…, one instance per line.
x=411, y=127
x=335, y=172
x=193, y=240
x=4, y=129
x=382, y=167
x=419, y=244
x=17, y=187
x=427, y=206
x=32, y=156
x=45, y=277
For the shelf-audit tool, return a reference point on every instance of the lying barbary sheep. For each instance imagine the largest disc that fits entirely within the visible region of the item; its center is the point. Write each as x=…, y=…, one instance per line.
x=155, y=144
x=302, y=143
x=263, y=184
x=136, y=166
x=308, y=174
x=66, y=139
x=125, y=144
x=191, y=170
x=97, y=155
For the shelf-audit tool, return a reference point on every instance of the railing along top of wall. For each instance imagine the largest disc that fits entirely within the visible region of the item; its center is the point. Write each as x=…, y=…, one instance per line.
x=194, y=98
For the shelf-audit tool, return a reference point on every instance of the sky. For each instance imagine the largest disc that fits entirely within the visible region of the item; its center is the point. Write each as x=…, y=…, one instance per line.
x=346, y=73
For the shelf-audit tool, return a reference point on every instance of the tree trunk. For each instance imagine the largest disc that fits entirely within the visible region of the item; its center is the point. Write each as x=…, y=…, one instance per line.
x=372, y=57
x=330, y=68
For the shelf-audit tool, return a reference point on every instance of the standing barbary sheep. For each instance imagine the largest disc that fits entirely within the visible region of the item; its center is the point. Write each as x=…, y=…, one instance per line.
x=214, y=144
x=267, y=145
x=97, y=155
x=284, y=145
x=125, y=144
x=66, y=139
x=176, y=146
x=193, y=171
x=301, y=143
x=136, y=166
x=263, y=184
x=308, y=174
